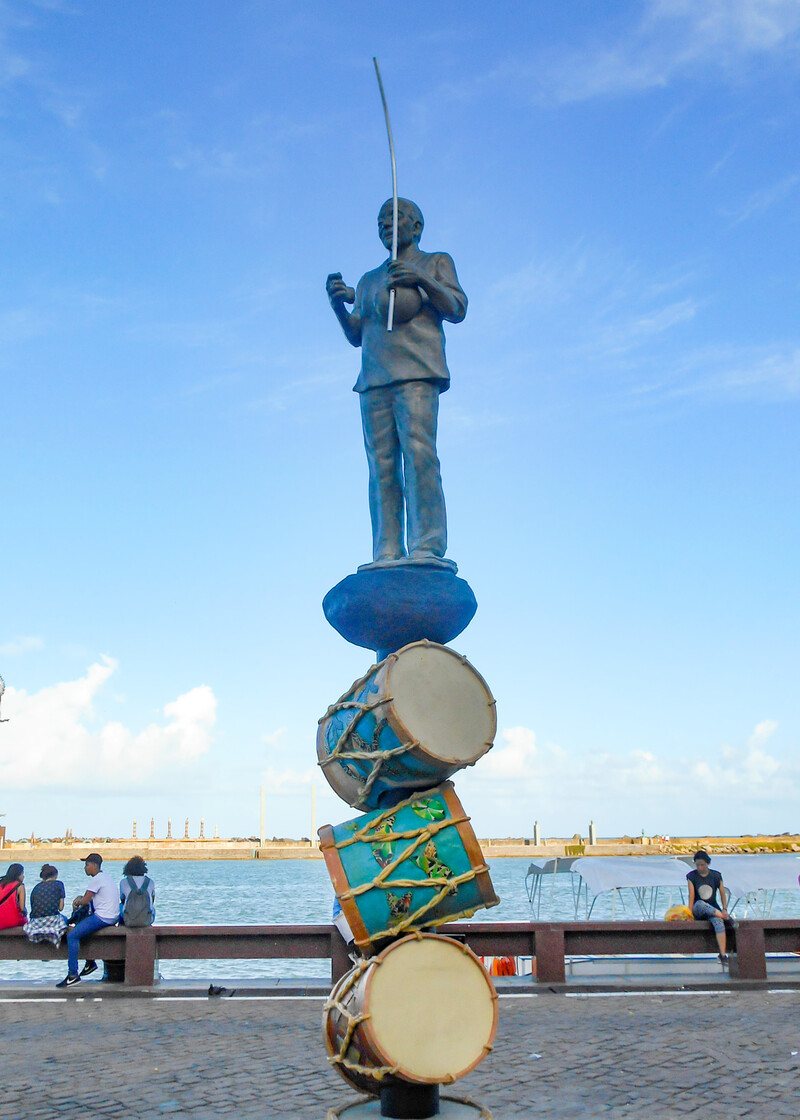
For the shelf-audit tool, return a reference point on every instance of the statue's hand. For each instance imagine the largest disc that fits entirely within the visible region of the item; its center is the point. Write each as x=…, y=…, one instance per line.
x=338, y=291
x=404, y=275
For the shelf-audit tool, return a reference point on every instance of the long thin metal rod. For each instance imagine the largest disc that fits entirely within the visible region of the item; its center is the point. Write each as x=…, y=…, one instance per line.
x=390, y=316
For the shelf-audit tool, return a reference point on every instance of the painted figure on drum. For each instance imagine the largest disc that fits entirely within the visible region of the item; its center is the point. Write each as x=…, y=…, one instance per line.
x=403, y=371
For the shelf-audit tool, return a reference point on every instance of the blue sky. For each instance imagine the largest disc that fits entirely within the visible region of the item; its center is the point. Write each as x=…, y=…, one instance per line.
x=180, y=451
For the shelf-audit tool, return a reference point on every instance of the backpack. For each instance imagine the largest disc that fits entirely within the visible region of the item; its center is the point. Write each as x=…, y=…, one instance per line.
x=136, y=911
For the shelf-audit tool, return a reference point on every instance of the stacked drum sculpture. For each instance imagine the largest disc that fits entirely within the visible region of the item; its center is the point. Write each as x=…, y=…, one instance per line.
x=418, y=1009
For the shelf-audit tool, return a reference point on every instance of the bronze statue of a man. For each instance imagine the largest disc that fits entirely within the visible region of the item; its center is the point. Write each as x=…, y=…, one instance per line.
x=403, y=371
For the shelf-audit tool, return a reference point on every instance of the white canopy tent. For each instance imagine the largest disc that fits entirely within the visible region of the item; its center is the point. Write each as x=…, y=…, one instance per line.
x=751, y=880
x=643, y=876
x=535, y=878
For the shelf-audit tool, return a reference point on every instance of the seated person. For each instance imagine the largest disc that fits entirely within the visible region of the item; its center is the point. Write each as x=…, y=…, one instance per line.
x=137, y=894
x=46, y=922
x=12, y=897
x=703, y=903
x=101, y=894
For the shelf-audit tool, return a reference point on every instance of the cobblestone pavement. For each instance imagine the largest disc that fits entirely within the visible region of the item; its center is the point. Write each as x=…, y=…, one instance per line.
x=649, y=1056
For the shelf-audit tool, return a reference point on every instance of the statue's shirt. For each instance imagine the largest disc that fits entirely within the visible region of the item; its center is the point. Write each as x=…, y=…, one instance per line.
x=412, y=350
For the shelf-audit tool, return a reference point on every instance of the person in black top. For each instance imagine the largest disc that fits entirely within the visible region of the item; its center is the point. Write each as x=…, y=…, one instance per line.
x=703, y=902
x=46, y=922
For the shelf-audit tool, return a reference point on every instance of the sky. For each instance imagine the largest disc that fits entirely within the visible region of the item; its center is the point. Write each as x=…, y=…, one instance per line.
x=182, y=475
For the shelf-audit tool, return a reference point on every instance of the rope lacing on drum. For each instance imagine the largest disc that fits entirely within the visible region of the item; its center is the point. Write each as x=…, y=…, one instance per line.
x=376, y=755
x=383, y=882
x=334, y=1003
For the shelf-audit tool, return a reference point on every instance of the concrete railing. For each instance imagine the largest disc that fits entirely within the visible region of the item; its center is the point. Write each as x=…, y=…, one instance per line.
x=550, y=942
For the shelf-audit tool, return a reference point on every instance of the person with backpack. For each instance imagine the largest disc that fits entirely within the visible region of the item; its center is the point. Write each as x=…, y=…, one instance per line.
x=137, y=895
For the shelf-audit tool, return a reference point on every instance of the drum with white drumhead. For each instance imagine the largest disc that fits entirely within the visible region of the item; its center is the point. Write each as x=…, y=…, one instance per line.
x=423, y=1011
x=416, y=718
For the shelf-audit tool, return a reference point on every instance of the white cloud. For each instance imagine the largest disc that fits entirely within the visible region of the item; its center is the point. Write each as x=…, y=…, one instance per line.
x=20, y=645
x=519, y=768
x=290, y=781
x=607, y=298
x=750, y=769
x=32, y=73
x=641, y=329
x=669, y=41
x=517, y=758
x=765, y=373
x=764, y=199
x=673, y=38
x=50, y=740
x=525, y=778
x=23, y=323
x=762, y=731
x=604, y=318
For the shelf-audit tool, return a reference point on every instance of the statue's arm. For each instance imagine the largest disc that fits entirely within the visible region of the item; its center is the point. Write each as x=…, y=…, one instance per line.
x=339, y=294
x=452, y=303
x=440, y=285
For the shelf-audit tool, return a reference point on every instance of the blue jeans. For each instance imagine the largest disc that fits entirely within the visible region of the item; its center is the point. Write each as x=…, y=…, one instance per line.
x=704, y=911
x=76, y=935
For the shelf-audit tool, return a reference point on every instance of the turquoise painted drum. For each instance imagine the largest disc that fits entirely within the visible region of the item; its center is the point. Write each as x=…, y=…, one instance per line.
x=416, y=718
x=410, y=867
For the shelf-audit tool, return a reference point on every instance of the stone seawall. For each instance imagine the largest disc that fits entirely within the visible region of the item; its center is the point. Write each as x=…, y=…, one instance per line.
x=157, y=849
x=507, y=847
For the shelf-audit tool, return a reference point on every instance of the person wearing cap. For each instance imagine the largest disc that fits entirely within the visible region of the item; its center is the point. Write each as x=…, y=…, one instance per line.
x=703, y=902
x=102, y=897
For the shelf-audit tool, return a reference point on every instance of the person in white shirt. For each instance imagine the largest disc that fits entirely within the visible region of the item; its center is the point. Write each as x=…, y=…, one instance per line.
x=101, y=895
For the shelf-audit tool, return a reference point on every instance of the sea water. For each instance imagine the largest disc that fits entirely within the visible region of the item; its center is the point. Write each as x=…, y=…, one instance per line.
x=298, y=892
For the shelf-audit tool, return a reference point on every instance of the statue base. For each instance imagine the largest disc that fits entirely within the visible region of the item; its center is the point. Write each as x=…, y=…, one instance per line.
x=436, y=562
x=450, y=1108
x=385, y=608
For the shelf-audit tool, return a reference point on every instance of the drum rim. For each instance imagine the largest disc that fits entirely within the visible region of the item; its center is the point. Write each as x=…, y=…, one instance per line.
x=403, y=1073
x=335, y=867
x=327, y=1027
x=402, y=731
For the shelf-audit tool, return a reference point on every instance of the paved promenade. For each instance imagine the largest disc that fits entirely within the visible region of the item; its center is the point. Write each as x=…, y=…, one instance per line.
x=649, y=1056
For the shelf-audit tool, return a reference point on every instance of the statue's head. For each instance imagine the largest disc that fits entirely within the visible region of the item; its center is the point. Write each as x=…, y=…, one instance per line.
x=410, y=223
